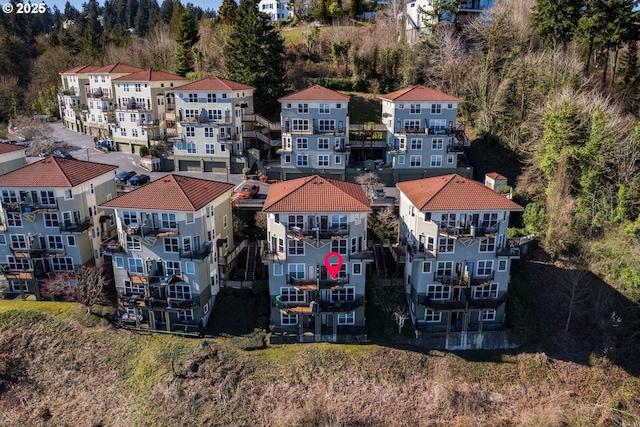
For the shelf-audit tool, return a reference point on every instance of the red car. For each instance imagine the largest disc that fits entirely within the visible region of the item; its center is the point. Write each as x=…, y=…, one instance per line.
x=248, y=191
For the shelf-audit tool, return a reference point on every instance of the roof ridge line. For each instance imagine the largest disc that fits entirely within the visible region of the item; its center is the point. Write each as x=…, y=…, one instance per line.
x=55, y=160
x=182, y=191
x=440, y=189
x=306, y=179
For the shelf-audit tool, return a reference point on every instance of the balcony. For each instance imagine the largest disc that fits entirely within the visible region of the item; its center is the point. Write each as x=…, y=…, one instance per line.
x=96, y=94
x=148, y=123
x=18, y=274
x=227, y=137
x=396, y=148
x=331, y=233
x=150, y=229
x=342, y=148
x=440, y=305
x=197, y=254
x=131, y=299
x=450, y=280
x=419, y=252
x=313, y=284
x=78, y=227
x=329, y=132
x=489, y=303
x=469, y=230
x=287, y=307
x=448, y=130
x=29, y=207
x=477, y=280
x=341, y=306
x=35, y=253
x=334, y=284
x=69, y=92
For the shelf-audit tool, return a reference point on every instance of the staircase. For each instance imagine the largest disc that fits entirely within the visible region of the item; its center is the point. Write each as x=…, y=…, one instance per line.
x=378, y=255
x=252, y=253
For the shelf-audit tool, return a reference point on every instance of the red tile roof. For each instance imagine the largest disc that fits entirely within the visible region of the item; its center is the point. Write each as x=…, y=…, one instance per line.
x=316, y=194
x=150, y=75
x=55, y=172
x=172, y=193
x=496, y=176
x=80, y=69
x=116, y=68
x=418, y=93
x=215, y=83
x=454, y=192
x=316, y=93
x=10, y=148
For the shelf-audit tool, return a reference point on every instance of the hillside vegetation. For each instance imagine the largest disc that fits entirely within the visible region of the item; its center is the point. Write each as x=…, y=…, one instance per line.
x=62, y=367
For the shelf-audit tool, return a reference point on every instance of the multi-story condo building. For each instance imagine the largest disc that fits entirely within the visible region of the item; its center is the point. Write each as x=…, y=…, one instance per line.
x=315, y=133
x=209, y=123
x=142, y=100
x=417, y=12
x=172, y=232
x=421, y=132
x=100, y=111
x=457, y=257
x=72, y=98
x=277, y=10
x=307, y=218
x=52, y=220
x=12, y=157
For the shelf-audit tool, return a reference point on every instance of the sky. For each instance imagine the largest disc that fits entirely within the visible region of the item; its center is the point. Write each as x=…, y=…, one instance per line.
x=204, y=4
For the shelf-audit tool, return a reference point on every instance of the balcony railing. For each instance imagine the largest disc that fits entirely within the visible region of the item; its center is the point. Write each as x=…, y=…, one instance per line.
x=342, y=148
x=469, y=230
x=450, y=280
x=334, y=284
x=448, y=130
x=317, y=307
x=227, y=137
x=481, y=279
x=79, y=227
x=490, y=303
x=313, y=284
x=69, y=92
x=331, y=233
x=329, y=132
x=420, y=252
x=439, y=305
x=396, y=148
x=341, y=306
x=197, y=253
x=151, y=229
x=29, y=207
x=148, y=123
x=295, y=307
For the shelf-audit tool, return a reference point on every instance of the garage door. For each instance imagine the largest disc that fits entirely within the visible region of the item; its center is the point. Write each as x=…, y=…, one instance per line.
x=219, y=167
x=190, y=165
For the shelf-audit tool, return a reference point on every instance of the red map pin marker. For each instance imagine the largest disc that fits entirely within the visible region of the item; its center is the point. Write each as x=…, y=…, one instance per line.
x=333, y=268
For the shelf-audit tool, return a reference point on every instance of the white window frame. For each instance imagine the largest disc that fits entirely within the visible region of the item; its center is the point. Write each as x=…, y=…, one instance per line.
x=484, y=267
x=426, y=267
x=347, y=318
x=432, y=316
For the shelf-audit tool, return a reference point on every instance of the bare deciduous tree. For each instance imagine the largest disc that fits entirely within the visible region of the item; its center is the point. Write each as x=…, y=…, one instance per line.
x=578, y=281
x=90, y=284
x=370, y=181
x=400, y=315
x=26, y=129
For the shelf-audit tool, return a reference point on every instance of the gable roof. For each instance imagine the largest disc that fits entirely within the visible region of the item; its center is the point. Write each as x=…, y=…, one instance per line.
x=80, y=69
x=418, y=93
x=214, y=83
x=10, y=148
x=496, y=176
x=116, y=68
x=55, y=172
x=150, y=75
x=172, y=193
x=454, y=192
x=316, y=194
x=316, y=93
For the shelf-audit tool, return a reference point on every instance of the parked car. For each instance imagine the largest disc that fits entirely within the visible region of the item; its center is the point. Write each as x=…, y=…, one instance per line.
x=248, y=191
x=124, y=176
x=105, y=144
x=63, y=154
x=139, y=180
x=379, y=194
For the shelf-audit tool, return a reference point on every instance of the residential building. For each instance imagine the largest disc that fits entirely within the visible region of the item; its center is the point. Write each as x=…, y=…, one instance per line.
x=422, y=135
x=12, y=157
x=100, y=111
x=315, y=133
x=72, y=98
x=210, y=125
x=51, y=221
x=307, y=218
x=172, y=233
x=142, y=100
x=417, y=13
x=453, y=232
x=277, y=10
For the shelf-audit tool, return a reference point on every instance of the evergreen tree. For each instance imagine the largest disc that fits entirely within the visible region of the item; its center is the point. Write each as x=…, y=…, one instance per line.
x=70, y=12
x=176, y=15
x=131, y=10
x=254, y=55
x=142, y=19
x=227, y=12
x=556, y=20
x=166, y=11
x=355, y=8
x=186, y=38
x=439, y=12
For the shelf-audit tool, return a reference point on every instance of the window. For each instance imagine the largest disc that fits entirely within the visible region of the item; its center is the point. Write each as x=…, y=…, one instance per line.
x=436, y=108
x=123, y=132
x=277, y=269
x=415, y=161
x=339, y=246
x=9, y=196
x=437, y=126
x=299, y=125
x=62, y=264
x=439, y=292
x=484, y=268
x=449, y=220
x=412, y=125
x=287, y=158
x=444, y=269
x=134, y=132
x=47, y=198
x=133, y=118
x=325, y=125
x=296, y=270
x=323, y=109
x=415, y=109
x=489, y=220
x=214, y=114
x=191, y=113
x=138, y=87
x=502, y=265
x=17, y=264
x=171, y=244
x=180, y=291
x=191, y=148
x=487, y=244
x=51, y=220
x=135, y=265
x=18, y=241
x=426, y=267
x=348, y=293
x=450, y=160
x=302, y=143
x=302, y=160
x=323, y=160
x=210, y=149
x=172, y=268
x=436, y=161
x=488, y=316
x=192, y=97
x=446, y=244
x=288, y=319
x=225, y=221
x=347, y=318
x=431, y=316
x=121, y=117
x=190, y=267
x=401, y=160
x=430, y=243
x=354, y=245
x=211, y=97
x=486, y=292
x=208, y=132
x=323, y=143
x=68, y=194
x=14, y=219
x=296, y=247
x=71, y=240
x=437, y=144
x=416, y=143
x=303, y=108
x=119, y=262
x=55, y=242
x=190, y=131
x=292, y=295
x=133, y=243
x=356, y=268
x=168, y=220
x=185, y=316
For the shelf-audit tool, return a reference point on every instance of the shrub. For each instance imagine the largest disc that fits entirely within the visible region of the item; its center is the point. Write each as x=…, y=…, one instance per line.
x=144, y=151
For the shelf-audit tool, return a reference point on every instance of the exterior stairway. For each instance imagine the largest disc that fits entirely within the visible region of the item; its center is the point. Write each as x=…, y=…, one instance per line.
x=250, y=268
x=378, y=255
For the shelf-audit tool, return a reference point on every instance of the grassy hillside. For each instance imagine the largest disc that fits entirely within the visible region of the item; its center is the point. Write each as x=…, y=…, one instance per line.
x=59, y=367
